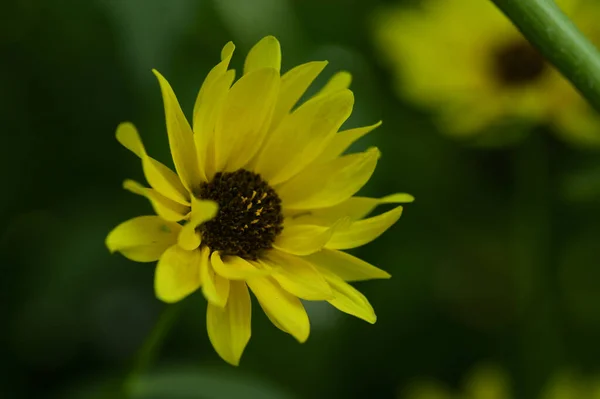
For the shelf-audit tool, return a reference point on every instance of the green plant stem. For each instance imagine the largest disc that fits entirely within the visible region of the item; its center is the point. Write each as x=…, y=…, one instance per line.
x=540, y=348
x=558, y=39
x=151, y=346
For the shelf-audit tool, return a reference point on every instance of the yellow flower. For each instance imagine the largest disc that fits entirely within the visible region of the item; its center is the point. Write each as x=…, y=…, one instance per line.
x=263, y=199
x=466, y=61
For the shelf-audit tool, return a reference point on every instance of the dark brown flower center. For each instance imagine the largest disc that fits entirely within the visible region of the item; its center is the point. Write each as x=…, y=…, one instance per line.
x=249, y=217
x=518, y=63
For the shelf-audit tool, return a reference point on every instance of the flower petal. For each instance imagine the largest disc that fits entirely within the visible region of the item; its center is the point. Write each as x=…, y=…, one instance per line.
x=204, y=99
x=346, y=266
x=202, y=211
x=283, y=308
x=302, y=136
x=364, y=231
x=305, y=239
x=181, y=139
x=265, y=54
x=298, y=276
x=244, y=118
x=160, y=177
x=229, y=327
x=143, y=239
x=294, y=84
x=234, y=267
x=343, y=140
x=204, y=133
x=208, y=105
x=214, y=287
x=350, y=300
x=177, y=274
x=330, y=183
x=164, y=207
x=353, y=208
x=339, y=81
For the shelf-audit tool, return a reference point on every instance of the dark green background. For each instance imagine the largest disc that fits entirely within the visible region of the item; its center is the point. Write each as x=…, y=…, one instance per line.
x=498, y=259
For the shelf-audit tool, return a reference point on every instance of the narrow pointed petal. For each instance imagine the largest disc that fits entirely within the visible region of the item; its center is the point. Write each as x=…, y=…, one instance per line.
x=202, y=211
x=229, y=328
x=330, y=183
x=305, y=239
x=234, y=267
x=284, y=308
x=181, y=139
x=343, y=140
x=163, y=206
x=354, y=208
x=177, y=274
x=214, y=287
x=299, y=277
x=302, y=136
x=364, y=231
x=346, y=266
x=208, y=106
x=143, y=239
x=204, y=131
x=204, y=99
x=349, y=300
x=265, y=54
x=244, y=118
x=339, y=81
x=160, y=177
x=294, y=84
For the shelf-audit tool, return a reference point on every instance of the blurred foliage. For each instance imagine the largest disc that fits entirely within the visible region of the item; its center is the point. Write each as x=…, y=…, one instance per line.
x=497, y=260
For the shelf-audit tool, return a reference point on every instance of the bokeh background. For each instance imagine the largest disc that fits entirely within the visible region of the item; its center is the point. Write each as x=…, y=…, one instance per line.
x=497, y=262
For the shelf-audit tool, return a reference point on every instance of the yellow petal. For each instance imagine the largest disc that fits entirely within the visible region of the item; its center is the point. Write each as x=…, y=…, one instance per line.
x=208, y=105
x=364, y=231
x=302, y=136
x=143, y=239
x=339, y=81
x=160, y=178
x=244, y=118
x=294, y=84
x=299, y=277
x=204, y=131
x=353, y=208
x=202, y=211
x=346, y=266
x=330, y=183
x=349, y=300
x=164, y=207
x=282, y=307
x=177, y=274
x=181, y=139
x=234, y=267
x=343, y=140
x=204, y=99
x=214, y=287
x=229, y=327
x=305, y=239
x=265, y=54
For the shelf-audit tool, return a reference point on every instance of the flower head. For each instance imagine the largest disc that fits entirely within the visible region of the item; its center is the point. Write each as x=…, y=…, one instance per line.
x=466, y=61
x=263, y=198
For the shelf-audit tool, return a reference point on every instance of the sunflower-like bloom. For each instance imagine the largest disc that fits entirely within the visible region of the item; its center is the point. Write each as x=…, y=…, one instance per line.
x=263, y=198
x=466, y=61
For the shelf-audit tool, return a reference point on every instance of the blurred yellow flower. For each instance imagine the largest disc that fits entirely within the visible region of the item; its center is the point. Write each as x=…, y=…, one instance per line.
x=263, y=198
x=466, y=61
x=490, y=382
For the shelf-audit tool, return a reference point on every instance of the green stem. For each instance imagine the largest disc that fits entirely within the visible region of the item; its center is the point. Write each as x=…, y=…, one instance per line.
x=559, y=40
x=151, y=346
